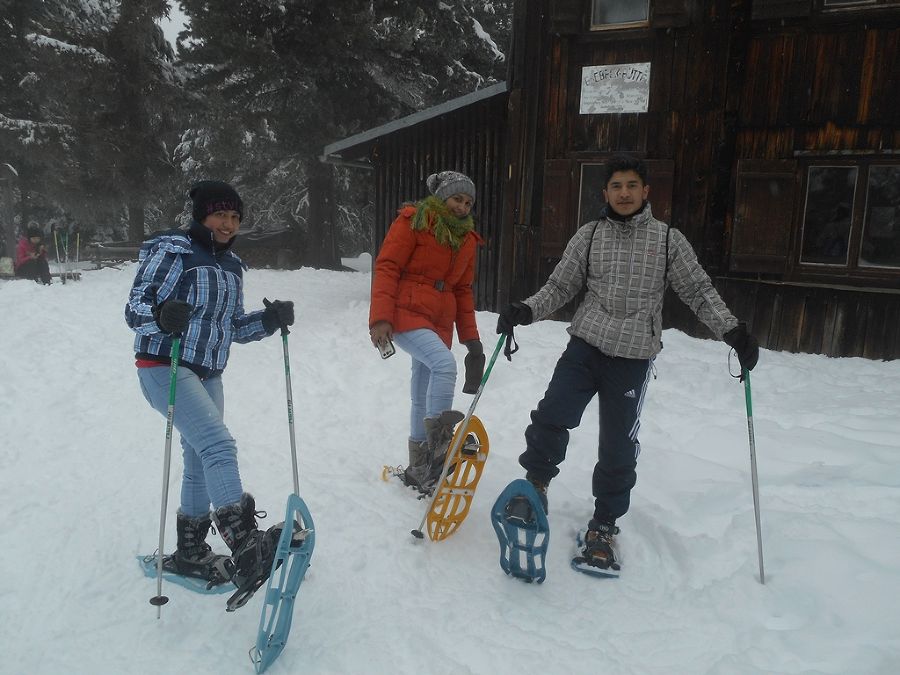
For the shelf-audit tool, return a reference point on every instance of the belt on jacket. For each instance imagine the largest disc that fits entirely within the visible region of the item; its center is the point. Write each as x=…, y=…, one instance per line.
x=437, y=283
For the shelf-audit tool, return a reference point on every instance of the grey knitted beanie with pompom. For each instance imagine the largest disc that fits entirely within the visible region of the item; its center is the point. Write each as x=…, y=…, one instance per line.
x=448, y=183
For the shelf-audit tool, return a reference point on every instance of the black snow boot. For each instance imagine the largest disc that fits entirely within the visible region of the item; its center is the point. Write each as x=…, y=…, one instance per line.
x=252, y=551
x=519, y=508
x=193, y=556
x=192, y=549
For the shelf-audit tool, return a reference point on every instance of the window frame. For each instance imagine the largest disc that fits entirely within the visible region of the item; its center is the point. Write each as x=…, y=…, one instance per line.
x=617, y=26
x=852, y=269
x=660, y=178
x=807, y=168
x=851, y=6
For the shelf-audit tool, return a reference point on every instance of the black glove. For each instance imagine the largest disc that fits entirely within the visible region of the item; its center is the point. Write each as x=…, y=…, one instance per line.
x=514, y=314
x=474, y=366
x=278, y=314
x=744, y=344
x=173, y=316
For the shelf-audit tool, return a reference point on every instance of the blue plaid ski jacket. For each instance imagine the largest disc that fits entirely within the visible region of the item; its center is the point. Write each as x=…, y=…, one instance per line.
x=185, y=265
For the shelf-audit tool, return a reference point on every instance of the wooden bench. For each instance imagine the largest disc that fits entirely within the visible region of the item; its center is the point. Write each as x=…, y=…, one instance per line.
x=112, y=254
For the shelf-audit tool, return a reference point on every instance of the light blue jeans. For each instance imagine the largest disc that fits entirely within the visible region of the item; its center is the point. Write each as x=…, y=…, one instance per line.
x=433, y=377
x=209, y=451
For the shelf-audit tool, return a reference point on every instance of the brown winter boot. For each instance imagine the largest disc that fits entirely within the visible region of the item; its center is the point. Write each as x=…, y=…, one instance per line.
x=600, y=546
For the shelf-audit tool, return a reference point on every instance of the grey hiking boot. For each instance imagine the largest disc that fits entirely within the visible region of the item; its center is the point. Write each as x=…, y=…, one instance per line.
x=418, y=467
x=439, y=432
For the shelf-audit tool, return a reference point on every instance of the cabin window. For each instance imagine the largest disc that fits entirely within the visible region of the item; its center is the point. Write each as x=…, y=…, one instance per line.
x=880, y=245
x=851, y=216
x=611, y=14
x=830, y=192
x=590, y=193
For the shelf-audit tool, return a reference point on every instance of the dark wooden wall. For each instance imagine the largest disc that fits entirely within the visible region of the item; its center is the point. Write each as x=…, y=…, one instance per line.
x=470, y=140
x=813, y=319
x=732, y=81
x=740, y=92
x=689, y=84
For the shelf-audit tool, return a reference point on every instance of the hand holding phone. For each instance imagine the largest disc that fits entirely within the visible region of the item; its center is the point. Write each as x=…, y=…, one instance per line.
x=386, y=348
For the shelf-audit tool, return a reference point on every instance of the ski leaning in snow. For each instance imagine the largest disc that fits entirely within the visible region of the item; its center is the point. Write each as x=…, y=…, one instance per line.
x=214, y=578
x=523, y=537
x=583, y=564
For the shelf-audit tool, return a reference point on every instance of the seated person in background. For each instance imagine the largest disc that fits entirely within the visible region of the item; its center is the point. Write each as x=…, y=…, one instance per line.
x=31, y=256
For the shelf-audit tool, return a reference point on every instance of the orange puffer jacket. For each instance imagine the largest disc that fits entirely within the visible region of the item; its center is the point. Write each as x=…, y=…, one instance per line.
x=420, y=283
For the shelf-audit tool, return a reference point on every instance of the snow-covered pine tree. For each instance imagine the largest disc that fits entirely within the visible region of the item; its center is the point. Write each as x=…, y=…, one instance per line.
x=280, y=79
x=94, y=99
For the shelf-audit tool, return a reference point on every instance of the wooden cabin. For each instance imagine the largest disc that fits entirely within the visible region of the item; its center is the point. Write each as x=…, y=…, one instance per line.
x=466, y=134
x=770, y=128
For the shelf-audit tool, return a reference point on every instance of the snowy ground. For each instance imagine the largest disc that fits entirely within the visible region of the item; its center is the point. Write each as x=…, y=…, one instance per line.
x=81, y=465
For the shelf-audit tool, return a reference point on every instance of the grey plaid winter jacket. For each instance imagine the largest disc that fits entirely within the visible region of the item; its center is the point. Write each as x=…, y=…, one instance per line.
x=621, y=313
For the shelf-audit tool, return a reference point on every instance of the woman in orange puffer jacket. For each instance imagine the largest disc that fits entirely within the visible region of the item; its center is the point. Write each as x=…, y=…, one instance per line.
x=422, y=286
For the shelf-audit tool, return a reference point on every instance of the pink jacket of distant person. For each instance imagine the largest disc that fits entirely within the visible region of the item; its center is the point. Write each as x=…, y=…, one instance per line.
x=25, y=251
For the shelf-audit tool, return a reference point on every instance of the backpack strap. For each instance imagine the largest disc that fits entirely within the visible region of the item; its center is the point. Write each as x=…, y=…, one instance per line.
x=587, y=262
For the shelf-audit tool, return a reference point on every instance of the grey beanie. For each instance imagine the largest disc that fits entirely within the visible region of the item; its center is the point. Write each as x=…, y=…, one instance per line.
x=448, y=183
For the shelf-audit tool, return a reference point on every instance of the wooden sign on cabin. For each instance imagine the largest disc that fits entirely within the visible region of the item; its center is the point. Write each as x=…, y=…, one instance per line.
x=617, y=88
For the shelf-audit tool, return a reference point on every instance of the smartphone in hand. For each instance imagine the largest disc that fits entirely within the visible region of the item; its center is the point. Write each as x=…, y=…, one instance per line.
x=386, y=348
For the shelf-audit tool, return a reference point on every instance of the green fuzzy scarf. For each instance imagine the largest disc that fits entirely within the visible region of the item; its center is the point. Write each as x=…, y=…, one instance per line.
x=449, y=230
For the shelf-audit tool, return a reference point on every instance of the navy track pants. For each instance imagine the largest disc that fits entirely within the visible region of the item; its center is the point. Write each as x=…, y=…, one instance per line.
x=582, y=372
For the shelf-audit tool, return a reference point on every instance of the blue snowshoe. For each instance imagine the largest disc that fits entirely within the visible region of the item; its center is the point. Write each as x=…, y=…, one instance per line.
x=523, y=531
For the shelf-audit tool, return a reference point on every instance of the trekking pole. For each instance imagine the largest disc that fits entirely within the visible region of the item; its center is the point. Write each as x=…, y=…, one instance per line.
x=417, y=533
x=58, y=261
x=290, y=401
x=159, y=599
x=755, y=481
x=66, y=254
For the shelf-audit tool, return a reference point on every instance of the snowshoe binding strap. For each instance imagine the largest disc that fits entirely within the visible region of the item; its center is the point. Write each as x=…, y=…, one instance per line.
x=598, y=554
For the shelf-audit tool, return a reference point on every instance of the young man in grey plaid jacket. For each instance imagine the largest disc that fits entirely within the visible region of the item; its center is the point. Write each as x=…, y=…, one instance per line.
x=624, y=261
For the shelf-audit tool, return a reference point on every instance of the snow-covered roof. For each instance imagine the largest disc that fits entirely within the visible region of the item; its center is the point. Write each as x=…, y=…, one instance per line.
x=355, y=147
